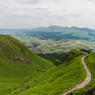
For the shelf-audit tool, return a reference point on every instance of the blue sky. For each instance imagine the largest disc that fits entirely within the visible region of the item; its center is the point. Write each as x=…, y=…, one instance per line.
x=43, y=13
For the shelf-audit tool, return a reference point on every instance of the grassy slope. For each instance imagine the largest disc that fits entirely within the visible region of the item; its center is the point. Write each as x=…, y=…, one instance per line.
x=90, y=62
x=12, y=73
x=59, y=79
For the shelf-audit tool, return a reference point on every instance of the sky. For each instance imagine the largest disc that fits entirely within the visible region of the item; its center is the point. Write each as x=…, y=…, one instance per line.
x=29, y=14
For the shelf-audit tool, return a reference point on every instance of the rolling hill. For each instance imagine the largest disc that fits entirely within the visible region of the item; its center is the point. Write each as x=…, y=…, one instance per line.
x=58, y=79
x=22, y=72
x=18, y=63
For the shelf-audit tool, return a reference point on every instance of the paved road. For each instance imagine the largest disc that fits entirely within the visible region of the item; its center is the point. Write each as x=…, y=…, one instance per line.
x=85, y=82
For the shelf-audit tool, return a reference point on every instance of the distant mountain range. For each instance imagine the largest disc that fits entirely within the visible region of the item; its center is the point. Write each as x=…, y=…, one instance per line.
x=58, y=32
x=50, y=28
x=64, y=32
x=54, y=27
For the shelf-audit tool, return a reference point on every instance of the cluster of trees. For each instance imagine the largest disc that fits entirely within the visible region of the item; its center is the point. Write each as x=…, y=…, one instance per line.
x=55, y=58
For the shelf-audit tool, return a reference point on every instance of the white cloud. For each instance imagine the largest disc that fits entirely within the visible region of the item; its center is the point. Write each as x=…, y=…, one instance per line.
x=35, y=13
x=50, y=10
x=0, y=24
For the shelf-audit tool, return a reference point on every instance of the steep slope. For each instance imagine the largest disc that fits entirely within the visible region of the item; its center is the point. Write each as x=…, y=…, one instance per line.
x=16, y=60
x=18, y=64
x=57, y=80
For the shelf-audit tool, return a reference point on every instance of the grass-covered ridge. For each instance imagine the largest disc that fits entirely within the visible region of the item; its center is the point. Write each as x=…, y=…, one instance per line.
x=18, y=64
x=57, y=80
x=90, y=88
x=70, y=56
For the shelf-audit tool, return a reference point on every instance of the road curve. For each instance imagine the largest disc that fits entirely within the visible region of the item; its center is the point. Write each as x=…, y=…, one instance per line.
x=85, y=82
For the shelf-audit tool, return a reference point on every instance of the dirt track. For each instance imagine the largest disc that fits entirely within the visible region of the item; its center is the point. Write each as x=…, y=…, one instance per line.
x=85, y=82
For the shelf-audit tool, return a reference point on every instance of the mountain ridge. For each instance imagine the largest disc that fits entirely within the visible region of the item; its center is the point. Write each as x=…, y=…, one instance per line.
x=53, y=27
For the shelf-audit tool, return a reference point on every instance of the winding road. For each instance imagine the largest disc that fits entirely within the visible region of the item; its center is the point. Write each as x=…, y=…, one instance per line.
x=85, y=82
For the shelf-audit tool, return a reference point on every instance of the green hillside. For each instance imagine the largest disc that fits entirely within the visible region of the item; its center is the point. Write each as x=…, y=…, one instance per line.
x=57, y=80
x=18, y=64
x=90, y=88
x=22, y=72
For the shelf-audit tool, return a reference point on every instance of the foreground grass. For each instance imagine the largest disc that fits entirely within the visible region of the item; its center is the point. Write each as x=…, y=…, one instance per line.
x=5, y=87
x=57, y=80
x=13, y=74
